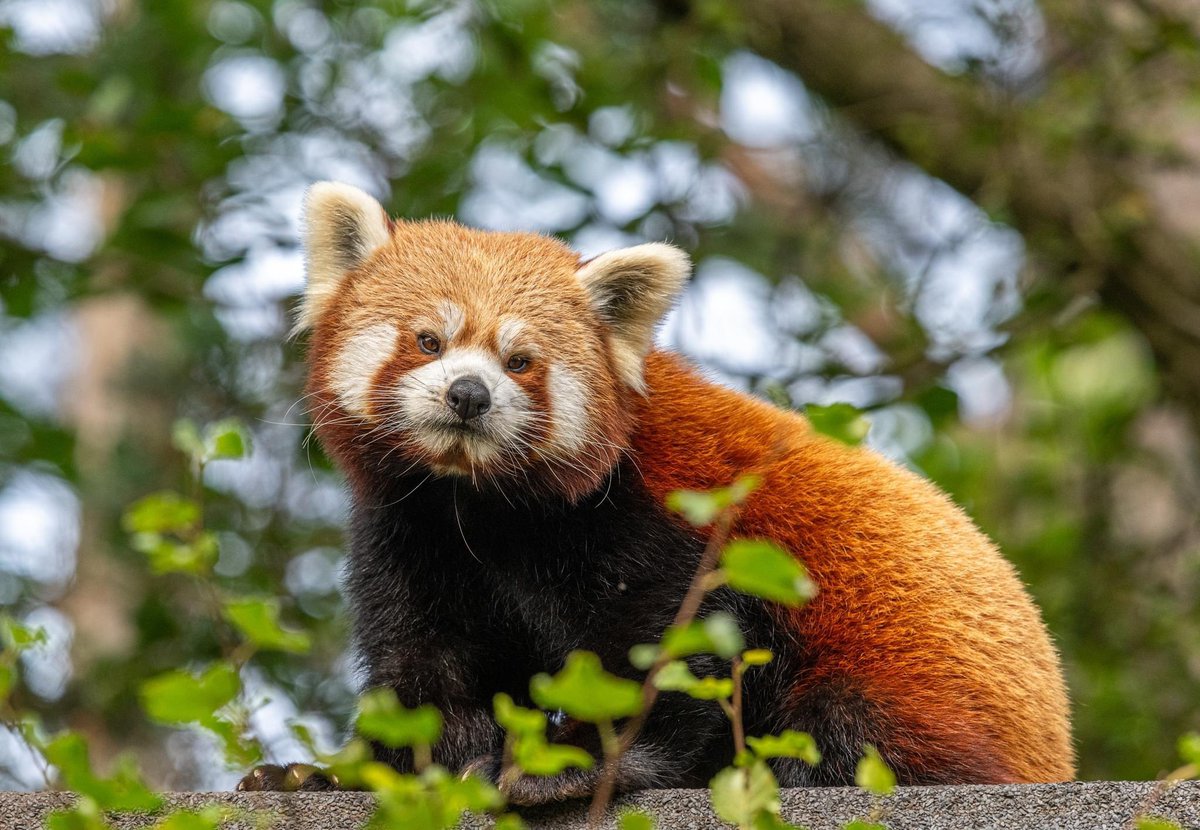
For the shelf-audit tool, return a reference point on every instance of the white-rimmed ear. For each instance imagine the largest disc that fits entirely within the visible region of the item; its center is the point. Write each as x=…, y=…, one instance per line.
x=631, y=289
x=342, y=226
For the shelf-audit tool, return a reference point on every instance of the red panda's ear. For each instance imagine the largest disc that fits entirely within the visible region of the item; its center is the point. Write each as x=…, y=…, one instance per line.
x=342, y=226
x=630, y=290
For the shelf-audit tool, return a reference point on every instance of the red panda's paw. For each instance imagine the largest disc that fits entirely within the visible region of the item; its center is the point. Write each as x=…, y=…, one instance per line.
x=486, y=767
x=529, y=791
x=289, y=778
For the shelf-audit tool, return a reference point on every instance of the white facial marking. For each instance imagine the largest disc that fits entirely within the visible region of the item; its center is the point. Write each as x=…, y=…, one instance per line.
x=506, y=337
x=451, y=318
x=422, y=394
x=357, y=363
x=568, y=403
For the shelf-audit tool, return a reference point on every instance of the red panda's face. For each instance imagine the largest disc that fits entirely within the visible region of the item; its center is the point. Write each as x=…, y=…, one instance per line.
x=496, y=357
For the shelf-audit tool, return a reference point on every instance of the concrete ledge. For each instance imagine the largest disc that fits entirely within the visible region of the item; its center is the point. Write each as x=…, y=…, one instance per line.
x=1084, y=806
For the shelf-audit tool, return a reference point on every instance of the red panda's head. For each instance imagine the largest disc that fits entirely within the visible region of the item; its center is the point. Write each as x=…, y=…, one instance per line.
x=497, y=357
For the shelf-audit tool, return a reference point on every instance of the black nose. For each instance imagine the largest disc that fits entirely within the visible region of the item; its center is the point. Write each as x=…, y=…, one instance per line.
x=469, y=398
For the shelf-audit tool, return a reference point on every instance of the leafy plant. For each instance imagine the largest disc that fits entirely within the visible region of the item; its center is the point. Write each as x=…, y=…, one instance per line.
x=211, y=696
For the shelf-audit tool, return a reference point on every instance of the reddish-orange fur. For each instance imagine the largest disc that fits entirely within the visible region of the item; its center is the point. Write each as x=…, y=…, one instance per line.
x=915, y=607
x=528, y=277
x=957, y=656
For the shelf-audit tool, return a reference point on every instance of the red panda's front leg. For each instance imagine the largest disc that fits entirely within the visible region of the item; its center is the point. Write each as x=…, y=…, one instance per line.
x=469, y=734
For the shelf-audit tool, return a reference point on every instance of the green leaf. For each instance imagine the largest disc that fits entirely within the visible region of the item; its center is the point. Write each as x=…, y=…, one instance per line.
x=1154, y=823
x=347, y=763
x=873, y=774
x=740, y=794
x=763, y=569
x=435, y=800
x=225, y=440
x=257, y=618
x=509, y=821
x=532, y=753
x=698, y=508
x=787, y=744
x=859, y=824
x=186, y=438
x=757, y=657
x=770, y=821
x=382, y=717
x=517, y=720
x=166, y=556
x=839, y=421
x=1189, y=748
x=181, y=697
x=643, y=655
x=18, y=637
x=460, y=795
x=165, y=512
x=537, y=756
x=712, y=688
x=585, y=691
x=237, y=749
x=210, y=818
x=8, y=679
x=716, y=634
x=635, y=820
x=703, y=507
x=84, y=815
x=124, y=790
x=675, y=676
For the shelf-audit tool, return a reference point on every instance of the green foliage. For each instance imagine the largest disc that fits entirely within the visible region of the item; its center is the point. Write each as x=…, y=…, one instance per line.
x=787, y=744
x=873, y=774
x=15, y=639
x=165, y=527
x=433, y=800
x=509, y=821
x=195, y=557
x=222, y=440
x=675, y=676
x=718, y=634
x=740, y=795
x=1083, y=443
x=840, y=421
x=160, y=513
x=1154, y=823
x=210, y=818
x=1189, y=749
x=182, y=697
x=526, y=740
x=257, y=619
x=757, y=657
x=586, y=692
x=763, y=569
x=382, y=717
x=634, y=820
x=124, y=790
x=703, y=508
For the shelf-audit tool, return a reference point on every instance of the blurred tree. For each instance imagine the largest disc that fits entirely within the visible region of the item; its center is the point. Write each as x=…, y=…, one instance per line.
x=977, y=219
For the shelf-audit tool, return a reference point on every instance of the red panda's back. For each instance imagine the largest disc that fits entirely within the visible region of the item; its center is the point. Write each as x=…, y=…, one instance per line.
x=916, y=606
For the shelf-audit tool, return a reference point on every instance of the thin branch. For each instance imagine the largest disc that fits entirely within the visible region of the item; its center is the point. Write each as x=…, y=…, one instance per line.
x=686, y=613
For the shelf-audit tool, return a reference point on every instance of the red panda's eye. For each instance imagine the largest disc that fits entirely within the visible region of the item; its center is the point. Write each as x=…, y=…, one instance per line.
x=429, y=344
x=518, y=364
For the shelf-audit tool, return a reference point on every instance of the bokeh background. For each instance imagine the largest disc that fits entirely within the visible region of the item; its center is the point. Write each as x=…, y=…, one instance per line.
x=977, y=220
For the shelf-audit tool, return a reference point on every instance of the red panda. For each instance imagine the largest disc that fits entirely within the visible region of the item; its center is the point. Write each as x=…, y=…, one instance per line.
x=509, y=435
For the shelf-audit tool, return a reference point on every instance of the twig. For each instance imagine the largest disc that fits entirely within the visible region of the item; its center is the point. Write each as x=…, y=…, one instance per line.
x=1160, y=788
x=739, y=730
x=686, y=613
